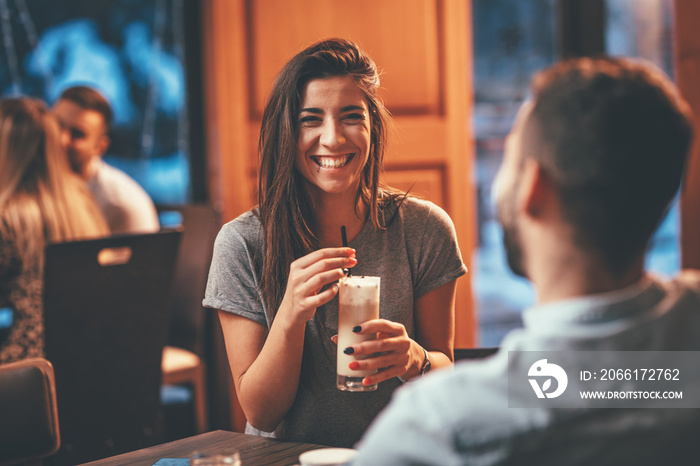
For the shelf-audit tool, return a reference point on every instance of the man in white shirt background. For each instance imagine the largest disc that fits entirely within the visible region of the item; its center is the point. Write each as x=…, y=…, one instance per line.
x=86, y=116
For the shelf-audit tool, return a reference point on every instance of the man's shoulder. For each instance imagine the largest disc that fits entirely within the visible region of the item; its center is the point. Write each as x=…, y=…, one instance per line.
x=114, y=180
x=125, y=204
x=449, y=417
x=456, y=395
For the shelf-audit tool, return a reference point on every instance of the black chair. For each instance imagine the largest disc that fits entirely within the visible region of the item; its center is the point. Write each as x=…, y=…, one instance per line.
x=106, y=319
x=183, y=358
x=462, y=354
x=200, y=223
x=28, y=415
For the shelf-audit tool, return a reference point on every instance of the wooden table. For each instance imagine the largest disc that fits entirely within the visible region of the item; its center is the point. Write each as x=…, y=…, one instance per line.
x=254, y=450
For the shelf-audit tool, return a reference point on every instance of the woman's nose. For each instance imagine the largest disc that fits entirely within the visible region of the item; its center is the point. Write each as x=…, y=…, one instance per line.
x=332, y=135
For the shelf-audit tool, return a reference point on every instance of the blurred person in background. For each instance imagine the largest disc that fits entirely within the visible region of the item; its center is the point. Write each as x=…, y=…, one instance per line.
x=41, y=201
x=86, y=117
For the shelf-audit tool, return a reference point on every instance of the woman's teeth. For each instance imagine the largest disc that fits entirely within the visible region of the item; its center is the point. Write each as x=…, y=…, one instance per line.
x=332, y=162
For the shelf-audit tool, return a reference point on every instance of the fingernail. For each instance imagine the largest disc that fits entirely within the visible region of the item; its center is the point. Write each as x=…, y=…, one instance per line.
x=354, y=365
x=357, y=329
x=352, y=260
x=349, y=350
x=366, y=381
x=351, y=252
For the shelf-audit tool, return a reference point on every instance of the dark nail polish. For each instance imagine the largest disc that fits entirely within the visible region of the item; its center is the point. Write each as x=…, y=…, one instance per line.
x=349, y=350
x=357, y=329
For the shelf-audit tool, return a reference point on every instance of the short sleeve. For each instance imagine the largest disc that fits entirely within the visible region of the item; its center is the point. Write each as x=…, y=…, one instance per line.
x=232, y=283
x=439, y=260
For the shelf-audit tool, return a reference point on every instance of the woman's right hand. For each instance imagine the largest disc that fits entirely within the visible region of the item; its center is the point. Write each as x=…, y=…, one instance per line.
x=307, y=277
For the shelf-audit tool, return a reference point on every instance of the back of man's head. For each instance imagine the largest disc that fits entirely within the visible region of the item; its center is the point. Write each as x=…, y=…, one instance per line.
x=89, y=99
x=613, y=135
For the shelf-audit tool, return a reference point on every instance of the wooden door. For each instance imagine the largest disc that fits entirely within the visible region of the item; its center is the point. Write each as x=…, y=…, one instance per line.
x=424, y=49
x=687, y=68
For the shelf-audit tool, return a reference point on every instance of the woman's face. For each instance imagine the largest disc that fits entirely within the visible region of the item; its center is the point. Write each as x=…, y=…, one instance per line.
x=334, y=135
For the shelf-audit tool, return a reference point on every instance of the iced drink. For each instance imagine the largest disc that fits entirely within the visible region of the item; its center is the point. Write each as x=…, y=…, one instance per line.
x=358, y=302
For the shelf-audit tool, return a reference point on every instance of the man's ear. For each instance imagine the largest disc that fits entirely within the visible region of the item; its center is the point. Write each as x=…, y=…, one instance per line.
x=103, y=145
x=536, y=189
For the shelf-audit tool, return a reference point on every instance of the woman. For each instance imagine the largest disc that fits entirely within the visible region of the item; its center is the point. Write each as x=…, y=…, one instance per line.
x=41, y=201
x=274, y=268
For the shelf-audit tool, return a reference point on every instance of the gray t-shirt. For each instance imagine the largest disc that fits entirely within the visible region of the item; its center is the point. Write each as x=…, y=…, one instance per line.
x=417, y=253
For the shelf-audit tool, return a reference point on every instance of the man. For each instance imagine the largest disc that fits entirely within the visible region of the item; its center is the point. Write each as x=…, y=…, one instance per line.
x=589, y=169
x=86, y=116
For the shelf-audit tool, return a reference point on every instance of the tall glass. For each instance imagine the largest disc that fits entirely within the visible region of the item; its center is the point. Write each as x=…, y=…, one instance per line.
x=358, y=302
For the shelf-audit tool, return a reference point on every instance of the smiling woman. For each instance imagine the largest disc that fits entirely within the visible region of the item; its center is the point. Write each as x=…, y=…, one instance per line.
x=274, y=271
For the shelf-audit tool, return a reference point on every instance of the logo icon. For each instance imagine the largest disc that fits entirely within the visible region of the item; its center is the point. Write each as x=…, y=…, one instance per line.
x=542, y=369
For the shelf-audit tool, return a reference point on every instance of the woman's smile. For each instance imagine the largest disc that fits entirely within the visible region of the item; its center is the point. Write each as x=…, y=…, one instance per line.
x=332, y=161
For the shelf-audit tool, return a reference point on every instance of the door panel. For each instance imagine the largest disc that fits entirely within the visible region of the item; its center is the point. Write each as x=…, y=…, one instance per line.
x=424, y=182
x=400, y=36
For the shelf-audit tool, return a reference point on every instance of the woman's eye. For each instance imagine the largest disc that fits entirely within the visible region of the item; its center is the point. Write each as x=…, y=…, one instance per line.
x=309, y=119
x=355, y=116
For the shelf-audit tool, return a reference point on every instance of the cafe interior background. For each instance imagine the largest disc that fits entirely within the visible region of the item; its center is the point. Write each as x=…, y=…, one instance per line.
x=188, y=80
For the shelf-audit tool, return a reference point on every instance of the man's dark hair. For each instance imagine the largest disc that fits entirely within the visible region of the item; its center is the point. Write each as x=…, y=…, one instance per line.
x=613, y=134
x=89, y=99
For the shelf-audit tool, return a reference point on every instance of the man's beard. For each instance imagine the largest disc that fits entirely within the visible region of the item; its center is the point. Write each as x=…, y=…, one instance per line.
x=511, y=234
x=74, y=162
x=514, y=253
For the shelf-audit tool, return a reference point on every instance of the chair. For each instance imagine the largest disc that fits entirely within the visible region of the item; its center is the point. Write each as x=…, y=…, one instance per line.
x=28, y=416
x=106, y=312
x=462, y=354
x=182, y=362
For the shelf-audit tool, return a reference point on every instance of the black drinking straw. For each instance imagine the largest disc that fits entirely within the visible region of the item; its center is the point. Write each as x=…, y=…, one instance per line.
x=344, y=237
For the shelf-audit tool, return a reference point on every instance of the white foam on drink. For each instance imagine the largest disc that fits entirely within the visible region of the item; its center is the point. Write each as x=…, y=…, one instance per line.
x=364, y=289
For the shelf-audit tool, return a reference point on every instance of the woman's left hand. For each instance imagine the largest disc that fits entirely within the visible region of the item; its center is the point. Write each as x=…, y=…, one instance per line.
x=397, y=353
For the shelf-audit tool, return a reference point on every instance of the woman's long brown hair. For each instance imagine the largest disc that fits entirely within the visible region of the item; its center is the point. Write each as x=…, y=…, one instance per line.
x=285, y=208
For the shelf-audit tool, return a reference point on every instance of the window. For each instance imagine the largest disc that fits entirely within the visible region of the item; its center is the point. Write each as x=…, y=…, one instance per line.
x=133, y=52
x=644, y=30
x=512, y=40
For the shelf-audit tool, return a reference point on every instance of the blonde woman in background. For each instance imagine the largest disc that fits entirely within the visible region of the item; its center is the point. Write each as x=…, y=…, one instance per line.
x=41, y=201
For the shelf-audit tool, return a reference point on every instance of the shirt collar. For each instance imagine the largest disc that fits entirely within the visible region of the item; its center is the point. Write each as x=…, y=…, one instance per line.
x=597, y=308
